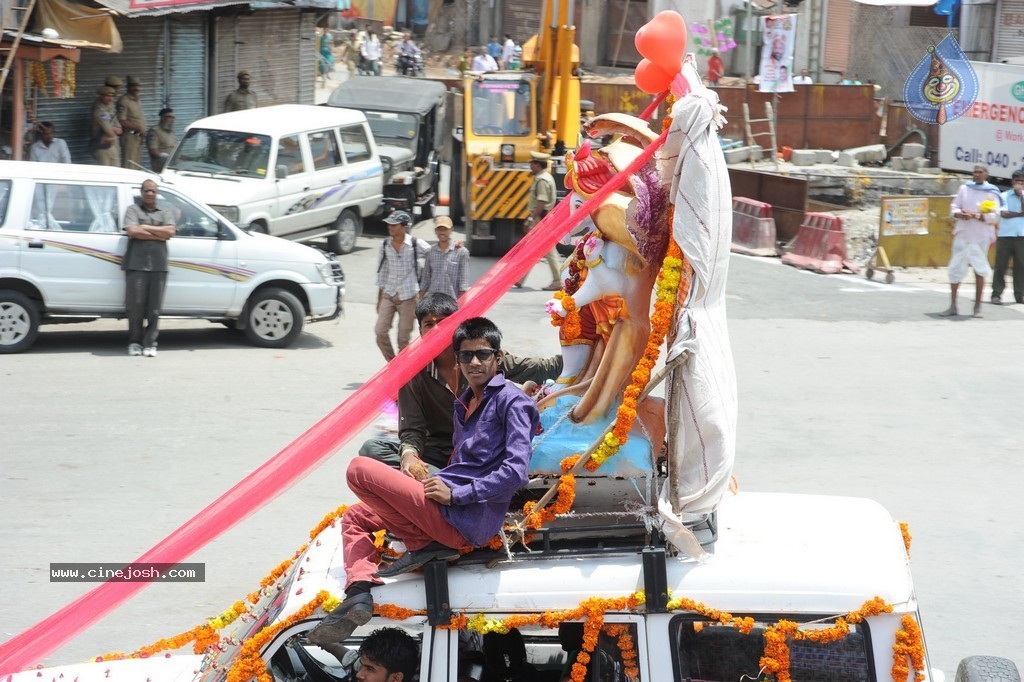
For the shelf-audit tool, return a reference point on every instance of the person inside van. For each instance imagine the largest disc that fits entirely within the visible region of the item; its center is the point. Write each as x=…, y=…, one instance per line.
x=289, y=154
x=462, y=506
x=388, y=655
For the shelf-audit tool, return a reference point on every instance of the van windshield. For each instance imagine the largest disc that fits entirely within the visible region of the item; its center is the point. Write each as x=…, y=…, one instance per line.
x=224, y=152
x=397, y=129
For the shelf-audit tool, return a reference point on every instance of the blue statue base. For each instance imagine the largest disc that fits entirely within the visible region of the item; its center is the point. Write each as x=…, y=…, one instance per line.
x=563, y=438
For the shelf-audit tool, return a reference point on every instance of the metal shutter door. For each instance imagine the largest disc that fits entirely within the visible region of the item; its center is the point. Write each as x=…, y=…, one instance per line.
x=837, y=35
x=270, y=45
x=1010, y=30
x=186, y=70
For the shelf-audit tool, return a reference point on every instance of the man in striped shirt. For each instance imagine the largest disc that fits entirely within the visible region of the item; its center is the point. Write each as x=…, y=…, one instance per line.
x=447, y=266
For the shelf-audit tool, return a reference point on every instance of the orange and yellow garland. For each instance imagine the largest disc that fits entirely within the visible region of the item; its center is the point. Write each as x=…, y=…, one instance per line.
x=909, y=646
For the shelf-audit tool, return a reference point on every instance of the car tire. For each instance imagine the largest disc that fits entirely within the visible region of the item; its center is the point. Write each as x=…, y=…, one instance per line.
x=349, y=226
x=259, y=226
x=273, y=318
x=19, y=321
x=987, y=669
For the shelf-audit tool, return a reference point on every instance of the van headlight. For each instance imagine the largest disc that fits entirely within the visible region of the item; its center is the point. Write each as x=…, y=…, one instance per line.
x=229, y=212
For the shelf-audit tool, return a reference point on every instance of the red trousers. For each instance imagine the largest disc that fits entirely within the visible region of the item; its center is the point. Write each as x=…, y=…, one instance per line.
x=391, y=500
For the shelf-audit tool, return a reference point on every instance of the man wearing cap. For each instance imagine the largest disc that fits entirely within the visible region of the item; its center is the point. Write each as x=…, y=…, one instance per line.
x=242, y=98
x=541, y=200
x=133, y=123
x=446, y=269
x=105, y=129
x=161, y=140
x=398, y=273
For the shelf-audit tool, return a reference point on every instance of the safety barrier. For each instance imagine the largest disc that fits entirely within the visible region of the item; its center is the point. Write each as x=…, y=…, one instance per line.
x=753, y=228
x=820, y=245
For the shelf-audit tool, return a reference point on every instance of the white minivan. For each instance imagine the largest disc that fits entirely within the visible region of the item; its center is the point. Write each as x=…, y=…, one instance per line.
x=292, y=170
x=62, y=241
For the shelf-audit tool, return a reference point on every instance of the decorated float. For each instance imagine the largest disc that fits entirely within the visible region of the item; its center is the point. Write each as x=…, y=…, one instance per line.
x=617, y=468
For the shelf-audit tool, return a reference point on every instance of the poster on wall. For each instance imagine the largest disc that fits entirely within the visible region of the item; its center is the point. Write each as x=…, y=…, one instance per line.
x=779, y=37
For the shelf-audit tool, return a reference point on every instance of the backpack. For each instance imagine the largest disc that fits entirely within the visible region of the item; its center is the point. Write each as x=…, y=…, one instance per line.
x=415, y=256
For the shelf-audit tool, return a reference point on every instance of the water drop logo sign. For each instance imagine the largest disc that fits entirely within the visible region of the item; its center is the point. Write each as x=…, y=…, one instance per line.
x=942, y=86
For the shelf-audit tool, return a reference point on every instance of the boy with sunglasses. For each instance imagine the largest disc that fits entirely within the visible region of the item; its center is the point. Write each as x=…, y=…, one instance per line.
x=463, y=505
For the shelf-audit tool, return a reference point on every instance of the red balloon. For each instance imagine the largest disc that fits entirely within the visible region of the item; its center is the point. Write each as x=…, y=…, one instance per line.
x=663, y=40
x=651, y=78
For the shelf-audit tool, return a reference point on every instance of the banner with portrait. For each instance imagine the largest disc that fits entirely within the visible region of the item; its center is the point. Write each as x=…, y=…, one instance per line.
x=779, y=38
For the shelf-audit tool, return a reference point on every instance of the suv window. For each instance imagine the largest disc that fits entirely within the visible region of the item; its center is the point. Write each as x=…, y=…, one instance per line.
x=324, y=149
x=355, y=144
x=709, y=651
x=540, y=654
x=5, y=195
x=289, y=153
x=78, y=208
x=189, y=219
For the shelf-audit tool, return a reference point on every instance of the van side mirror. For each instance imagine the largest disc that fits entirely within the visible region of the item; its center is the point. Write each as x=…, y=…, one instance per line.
x=281, y=171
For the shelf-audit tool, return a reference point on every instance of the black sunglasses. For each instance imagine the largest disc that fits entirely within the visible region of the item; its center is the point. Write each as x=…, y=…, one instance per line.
x=483, y=355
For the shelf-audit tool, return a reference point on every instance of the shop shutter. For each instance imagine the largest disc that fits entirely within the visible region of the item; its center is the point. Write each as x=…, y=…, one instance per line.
x=1010, y=31
x=277, y=47
x=837, y=35
x=167, y=53
x=187, y=70
x=521, y=19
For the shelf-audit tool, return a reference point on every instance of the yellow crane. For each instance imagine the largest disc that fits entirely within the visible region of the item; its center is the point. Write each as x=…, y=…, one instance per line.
x=505, y=116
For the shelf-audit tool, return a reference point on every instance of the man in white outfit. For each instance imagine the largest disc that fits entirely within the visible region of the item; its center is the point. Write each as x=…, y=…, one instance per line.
x=973, y=234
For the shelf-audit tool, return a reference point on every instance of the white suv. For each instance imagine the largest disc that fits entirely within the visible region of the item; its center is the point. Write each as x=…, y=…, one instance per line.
x=773, y=560
x=62, y=241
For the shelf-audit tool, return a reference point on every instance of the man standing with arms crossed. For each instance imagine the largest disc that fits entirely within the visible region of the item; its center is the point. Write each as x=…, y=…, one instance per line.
x=145, y=264
x=542, y=199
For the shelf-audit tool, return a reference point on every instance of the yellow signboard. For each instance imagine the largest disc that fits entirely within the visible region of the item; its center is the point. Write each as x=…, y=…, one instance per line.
x=916, y=231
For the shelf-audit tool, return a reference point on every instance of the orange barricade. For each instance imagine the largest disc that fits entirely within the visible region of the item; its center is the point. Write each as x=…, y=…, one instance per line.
x=820, y=245
x=753, y=228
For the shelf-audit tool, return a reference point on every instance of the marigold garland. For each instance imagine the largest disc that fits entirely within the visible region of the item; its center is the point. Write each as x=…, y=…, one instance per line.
x=250, y=663
x=905, y=530
x=909, y=646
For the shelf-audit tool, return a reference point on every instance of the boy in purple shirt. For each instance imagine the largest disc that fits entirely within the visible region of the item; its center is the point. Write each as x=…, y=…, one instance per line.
x=463, y=505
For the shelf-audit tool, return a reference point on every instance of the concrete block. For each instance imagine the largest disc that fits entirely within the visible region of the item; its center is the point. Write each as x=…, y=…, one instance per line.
x=914, y=165
x=804, y=157
x=952, y=186
x=737, y=154
x=912, y=150
x=826, y=155
x=930, y=170
x=846, y=159
x=872, y=153
x=896, y=162
x=756, y=153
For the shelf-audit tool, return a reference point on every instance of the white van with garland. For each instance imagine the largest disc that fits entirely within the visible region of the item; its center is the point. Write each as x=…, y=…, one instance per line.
x=827, y=576
x=296, y=171
x=62, y=240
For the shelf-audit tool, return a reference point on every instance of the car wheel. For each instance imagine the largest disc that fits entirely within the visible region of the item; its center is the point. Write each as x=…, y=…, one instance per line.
x=259, y=226
x=987, y=669
x=19, y=321
x=274, y=318
x=348, y=226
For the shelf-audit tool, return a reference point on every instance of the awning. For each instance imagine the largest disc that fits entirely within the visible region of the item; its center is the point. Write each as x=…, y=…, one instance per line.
x=77, y=25
x=40, y=49
x=151, y=8
x=898, y=3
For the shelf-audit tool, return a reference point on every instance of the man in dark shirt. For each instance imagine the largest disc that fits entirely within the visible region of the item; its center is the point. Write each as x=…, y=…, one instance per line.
x=463, y=505
x=145, y=265
x=426, y=403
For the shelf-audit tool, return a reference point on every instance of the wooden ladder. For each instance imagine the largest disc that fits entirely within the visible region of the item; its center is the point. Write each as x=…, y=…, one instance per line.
x=11, y=19
x=769, y=118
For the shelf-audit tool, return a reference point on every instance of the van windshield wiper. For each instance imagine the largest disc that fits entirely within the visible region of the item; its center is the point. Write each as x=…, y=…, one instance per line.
x=207, y=174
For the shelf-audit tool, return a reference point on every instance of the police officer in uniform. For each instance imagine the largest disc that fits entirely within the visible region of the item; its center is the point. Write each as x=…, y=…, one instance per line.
x=243, y=97
x=161, y=140
x=133, y=123
x=105, y=129
x=112, y=82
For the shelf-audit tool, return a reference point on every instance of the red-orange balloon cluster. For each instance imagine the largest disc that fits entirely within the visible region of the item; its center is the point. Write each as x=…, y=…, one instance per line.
x=662, y=42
